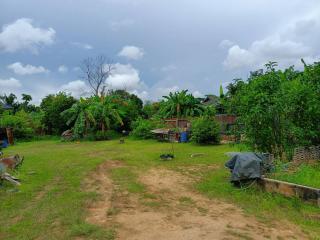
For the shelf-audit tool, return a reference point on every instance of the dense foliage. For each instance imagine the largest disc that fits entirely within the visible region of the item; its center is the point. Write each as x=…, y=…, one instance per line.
x=180, y=104
x=150, y=109
x=130, y=107
x=142, y=128
x=23, y=117
x=52, y=106
x=205, y=130
x=25, y=125
x=92, y=114
x=278, y=109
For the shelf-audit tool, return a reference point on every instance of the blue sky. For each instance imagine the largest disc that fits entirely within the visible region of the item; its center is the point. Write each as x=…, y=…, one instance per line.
x=157, y=46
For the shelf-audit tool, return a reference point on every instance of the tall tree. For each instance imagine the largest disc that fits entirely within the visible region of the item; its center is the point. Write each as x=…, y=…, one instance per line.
x=26, y=98
x=180, y=104
x=80, y=115
x=279, y=110
x=105, y=112
x=9, y=99
x=96, y=71
x=52, y=105
x=130, y=107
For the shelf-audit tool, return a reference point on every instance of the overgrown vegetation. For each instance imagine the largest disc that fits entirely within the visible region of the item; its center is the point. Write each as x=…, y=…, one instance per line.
x=278, y=109
x=304, y=174
x=142, y=128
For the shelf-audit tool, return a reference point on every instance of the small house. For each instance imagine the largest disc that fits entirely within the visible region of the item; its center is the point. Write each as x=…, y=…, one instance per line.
x=178, y=123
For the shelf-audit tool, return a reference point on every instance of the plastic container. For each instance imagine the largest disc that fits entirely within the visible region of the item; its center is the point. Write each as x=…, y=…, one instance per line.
x=183, y=137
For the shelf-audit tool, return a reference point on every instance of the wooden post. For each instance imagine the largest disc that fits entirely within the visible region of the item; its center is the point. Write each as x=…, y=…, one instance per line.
x=10, y=135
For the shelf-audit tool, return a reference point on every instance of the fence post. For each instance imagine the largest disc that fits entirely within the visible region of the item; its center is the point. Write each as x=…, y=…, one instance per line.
x=10, y=135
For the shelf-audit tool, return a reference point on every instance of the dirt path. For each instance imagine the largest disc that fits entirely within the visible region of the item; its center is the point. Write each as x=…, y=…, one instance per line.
x=171, y=209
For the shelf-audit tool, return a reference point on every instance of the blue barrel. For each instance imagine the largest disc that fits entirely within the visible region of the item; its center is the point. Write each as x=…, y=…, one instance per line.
x=4, y=143
x=183, y=137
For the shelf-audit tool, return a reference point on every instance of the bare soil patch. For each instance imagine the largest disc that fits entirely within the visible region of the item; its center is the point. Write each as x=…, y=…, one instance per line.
x=171, y=209
x=100, y=183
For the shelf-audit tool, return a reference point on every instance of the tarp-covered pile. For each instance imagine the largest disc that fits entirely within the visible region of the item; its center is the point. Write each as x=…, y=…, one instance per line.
x=248, y=165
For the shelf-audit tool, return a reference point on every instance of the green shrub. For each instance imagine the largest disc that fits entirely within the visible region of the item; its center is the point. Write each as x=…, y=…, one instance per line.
x=205, y=130
x=142, y=128
x=20, y=122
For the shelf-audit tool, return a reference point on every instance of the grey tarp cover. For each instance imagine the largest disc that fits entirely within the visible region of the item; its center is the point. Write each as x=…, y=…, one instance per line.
x=246, y=165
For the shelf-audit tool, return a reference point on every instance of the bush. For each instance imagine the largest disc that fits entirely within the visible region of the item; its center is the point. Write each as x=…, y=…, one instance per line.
x=205, y=130
x=20, y=122
x=142, y=128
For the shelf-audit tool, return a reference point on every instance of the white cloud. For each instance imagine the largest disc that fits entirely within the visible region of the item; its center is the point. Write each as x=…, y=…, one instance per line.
x=144, y=95
x=77, y=88
x=131, y=52
x=117, y=25
x=124, y=77
x=290, y=43
x=226, y=43
x=197, y=94
x=9, y=84
x=19, y=68
x=62, y=69
x=269, y=49
x=238, y=57
x=21, y=35
x=85, y=46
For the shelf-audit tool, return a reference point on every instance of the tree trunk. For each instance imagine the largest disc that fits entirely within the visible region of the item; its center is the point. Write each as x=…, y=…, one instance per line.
x=103, y=127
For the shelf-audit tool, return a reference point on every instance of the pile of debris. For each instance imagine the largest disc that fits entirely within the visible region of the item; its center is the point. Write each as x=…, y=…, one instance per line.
x=9, y=163
x=247, y=166
x=67, y=135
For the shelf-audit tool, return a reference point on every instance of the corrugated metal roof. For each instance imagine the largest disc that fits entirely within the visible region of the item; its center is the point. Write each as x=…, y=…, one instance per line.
x=161, y=131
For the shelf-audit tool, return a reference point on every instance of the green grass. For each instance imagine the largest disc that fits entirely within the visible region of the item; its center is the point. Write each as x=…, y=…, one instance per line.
x=92, y=232
x=127, y=180
x=308, y=175
x=51, y=202
x=267, y=207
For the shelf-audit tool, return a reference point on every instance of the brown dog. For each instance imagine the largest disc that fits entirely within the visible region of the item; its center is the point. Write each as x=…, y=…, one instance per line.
x=12, y=162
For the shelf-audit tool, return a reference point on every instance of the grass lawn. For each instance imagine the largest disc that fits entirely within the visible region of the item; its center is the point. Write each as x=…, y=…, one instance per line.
x=50, y=203
x=304, y=174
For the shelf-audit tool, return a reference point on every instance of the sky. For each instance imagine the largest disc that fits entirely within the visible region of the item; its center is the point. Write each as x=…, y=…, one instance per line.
x=157, y=46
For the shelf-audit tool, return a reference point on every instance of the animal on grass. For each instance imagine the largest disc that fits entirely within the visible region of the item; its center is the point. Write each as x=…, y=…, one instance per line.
x=12, y=162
